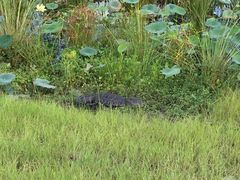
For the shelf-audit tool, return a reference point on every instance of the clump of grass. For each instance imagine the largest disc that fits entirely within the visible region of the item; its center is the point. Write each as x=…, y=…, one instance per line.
x=41, y=140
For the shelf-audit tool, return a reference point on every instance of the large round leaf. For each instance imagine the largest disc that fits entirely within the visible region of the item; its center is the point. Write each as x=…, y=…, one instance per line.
x=218, y=32
x=172, y=8
x=149, y=9
x=52, y=6
x=52, y=28
x=6, y=78
x=225, y=1
x=171, y=71
x=212, y=23
x=43, y=83
x=164, y=13
x=87, y=51
x=228, y=14
x=114, y=6
x=121, y=48
x=156, y=27
x=5, y=41
x=91, y=5
x=194, y=40
x=131, y=1
x=236, y=58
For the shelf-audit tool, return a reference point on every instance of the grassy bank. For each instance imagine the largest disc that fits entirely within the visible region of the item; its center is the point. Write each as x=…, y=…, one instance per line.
x=43, y=141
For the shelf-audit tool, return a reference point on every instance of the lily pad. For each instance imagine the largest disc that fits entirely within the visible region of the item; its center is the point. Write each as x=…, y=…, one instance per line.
x=122, y=47
x=225, y=1
x=114, y=6
x=102, y=8
x=218, y=32
x=43, y=83
x=131, y=1
x=164, y=13
x=194, y=40
x=87, y=51
x=52, y=28
x=212, y=23
x=156, y=27
x=5, y=41
x=170, y=71
x=91, y=5
x=52, y=6
x=236, y=58
x=172, y=8
x=6, y=78
x=149, y=9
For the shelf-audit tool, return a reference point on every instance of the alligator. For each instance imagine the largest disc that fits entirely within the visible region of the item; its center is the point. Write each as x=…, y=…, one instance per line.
x=108, y=100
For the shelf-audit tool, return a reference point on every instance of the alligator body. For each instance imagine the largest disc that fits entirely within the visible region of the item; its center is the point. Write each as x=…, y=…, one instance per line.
x=108, y=100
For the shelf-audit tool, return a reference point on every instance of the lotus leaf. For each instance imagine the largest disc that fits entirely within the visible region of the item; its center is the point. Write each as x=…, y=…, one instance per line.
x=171, y=71
x=164, y=13
x=87, y=51
x=236, y=58
x=53, y=27
x=225, y=1
x=114, y=6
x=156, y=27
x=228, y=14
x=131, y=1
x=52, y=6
x=121, y=48
x=43, y=83
x=150, y=8
x=212, y=23
x=102, y=8
x=218, y=32
x=6, y=78
x=194, y=40
x=5, y=41
x=91, y=5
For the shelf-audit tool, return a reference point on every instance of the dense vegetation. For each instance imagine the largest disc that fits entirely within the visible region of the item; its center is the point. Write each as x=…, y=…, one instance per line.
x=176, y=65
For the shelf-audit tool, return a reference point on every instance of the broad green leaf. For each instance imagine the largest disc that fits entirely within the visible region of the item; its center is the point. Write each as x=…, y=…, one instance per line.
x=151, y=8
x=164, y=13
x=114, y=6
x=91, y=5
x=131, y=1
x=87, y=51
x=5, y=41
x=52, y=6
x=156, y=27
x=170, y=71
x=225, y=1
x=194, y=40
x=102, y=8
x=43, y=83
x=52, y=28
x=179, y=10
x=228, y=14
x=218, y=32
x=236, y=58
x=121, y=48
x=212, y=23
x=6, y=78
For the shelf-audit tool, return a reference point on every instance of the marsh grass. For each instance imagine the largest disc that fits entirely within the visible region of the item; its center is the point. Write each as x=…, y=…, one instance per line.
x=40, y=140
x=17, y=17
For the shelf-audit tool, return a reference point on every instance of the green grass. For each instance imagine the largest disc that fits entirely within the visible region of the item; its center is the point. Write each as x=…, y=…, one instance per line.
x=39, y=140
